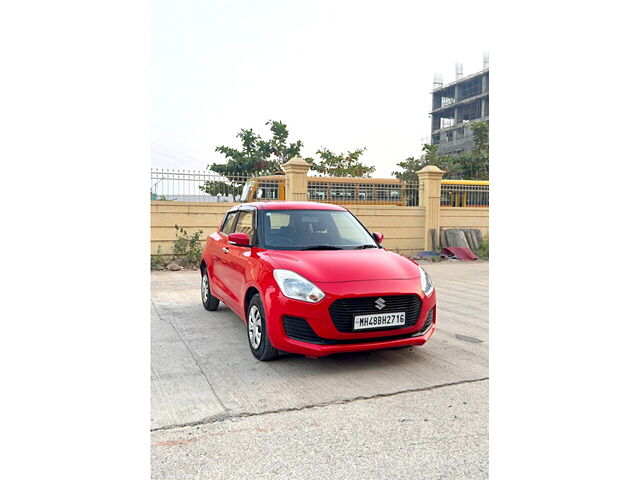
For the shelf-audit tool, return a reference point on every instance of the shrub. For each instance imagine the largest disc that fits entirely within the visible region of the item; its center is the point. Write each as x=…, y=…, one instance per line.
x=483, y=251
x=158, y=262
x=188, y=248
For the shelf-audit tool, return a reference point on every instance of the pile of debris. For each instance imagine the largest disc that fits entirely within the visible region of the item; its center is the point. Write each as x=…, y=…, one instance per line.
x=453, y=244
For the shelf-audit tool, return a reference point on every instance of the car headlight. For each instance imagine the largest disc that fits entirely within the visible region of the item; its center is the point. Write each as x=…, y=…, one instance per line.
x=297, y=287
x=425, y=280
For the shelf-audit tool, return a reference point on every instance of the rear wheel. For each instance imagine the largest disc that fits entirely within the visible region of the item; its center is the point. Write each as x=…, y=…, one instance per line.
x=257, y=331
x=208, y=301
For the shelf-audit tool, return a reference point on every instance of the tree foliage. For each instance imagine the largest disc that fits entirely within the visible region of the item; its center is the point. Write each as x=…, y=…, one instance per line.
x=411, y=165
x=256, y=156
x=472, y=165
x=481, y=136
x=264, y=156
x=341, y=165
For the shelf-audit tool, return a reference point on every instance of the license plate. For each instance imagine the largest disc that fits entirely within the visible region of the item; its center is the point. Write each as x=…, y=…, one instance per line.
x=378, y=320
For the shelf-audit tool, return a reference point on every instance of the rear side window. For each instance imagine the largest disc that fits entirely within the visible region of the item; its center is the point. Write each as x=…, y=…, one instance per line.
x=228, y=223
x=245, y=225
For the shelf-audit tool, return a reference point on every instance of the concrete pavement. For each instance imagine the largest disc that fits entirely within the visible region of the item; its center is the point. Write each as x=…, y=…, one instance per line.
x=207, y=385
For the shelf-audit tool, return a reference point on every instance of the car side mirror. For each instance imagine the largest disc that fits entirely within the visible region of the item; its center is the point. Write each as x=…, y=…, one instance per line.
x=377, y=236
x=241, y=239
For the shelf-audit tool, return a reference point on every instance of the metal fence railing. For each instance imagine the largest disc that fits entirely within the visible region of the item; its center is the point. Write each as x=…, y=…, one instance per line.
x=464, y=193
x=196, y=186
x=208, y=186
x=362, y=191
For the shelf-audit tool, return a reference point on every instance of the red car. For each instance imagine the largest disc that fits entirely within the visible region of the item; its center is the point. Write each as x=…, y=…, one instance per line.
x=309, y=278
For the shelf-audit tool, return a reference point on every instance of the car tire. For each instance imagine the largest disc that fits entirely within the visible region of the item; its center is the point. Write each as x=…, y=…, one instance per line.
x=208, y=300
x=257, y=334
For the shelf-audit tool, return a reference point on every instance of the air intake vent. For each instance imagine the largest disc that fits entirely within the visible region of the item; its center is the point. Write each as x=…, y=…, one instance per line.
x=298, y=329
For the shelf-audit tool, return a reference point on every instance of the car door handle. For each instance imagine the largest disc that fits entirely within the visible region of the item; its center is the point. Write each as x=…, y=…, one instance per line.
x=225, y=249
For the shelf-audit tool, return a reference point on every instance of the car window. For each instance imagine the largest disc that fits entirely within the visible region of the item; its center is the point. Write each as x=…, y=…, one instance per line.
x=228, y=223
x=347, y=229
x=313, y=229
x=245, y=224
x=278, y=220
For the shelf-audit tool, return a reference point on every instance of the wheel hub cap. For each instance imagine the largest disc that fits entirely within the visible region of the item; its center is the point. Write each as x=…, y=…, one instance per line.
x=205, y=288
x=255, y=327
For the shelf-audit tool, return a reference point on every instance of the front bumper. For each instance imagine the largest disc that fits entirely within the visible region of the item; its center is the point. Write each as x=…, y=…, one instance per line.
x=318, y=317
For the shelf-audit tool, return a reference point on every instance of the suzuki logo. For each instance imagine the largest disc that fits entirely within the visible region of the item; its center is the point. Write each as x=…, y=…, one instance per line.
x=380, y=303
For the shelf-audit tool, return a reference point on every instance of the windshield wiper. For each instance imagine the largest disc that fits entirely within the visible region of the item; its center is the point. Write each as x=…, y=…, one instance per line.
x=322, y=247
x=365, y=246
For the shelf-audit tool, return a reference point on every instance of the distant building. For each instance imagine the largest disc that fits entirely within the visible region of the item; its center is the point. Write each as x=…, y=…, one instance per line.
x=455, y=106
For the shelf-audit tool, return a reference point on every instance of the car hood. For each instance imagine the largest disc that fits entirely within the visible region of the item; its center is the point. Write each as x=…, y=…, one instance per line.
x=326, y=266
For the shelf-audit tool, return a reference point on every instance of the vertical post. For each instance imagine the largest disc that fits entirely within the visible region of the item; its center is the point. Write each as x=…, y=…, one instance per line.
x=429, y=197
x=457, y=111
x=295, y=183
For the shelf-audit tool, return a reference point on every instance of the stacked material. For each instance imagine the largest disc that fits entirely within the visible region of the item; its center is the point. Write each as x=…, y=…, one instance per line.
x=463, y=241
x=455, y=244
x=458, y=237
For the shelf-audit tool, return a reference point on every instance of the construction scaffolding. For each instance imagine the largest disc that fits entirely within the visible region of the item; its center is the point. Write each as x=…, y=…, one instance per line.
x=455, y=106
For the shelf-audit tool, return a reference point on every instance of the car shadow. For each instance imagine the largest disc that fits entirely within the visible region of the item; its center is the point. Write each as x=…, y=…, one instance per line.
x=366, y=360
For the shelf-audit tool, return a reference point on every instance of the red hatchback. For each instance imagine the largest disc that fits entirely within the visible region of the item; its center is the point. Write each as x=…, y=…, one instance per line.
x=309, y=278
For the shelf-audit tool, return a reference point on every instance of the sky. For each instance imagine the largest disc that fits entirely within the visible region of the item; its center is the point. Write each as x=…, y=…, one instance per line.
x=340, y=75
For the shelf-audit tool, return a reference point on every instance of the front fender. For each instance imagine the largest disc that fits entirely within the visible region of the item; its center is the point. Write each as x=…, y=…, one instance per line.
x=261, y=279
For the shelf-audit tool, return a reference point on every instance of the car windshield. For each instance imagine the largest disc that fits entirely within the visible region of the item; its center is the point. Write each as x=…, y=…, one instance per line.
x=314, y=230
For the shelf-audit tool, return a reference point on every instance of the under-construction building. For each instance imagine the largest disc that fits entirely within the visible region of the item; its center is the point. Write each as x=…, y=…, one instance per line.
x=455, y=106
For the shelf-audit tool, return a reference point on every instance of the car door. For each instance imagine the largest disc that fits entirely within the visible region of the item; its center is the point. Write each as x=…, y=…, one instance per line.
x=220, y=267
x=238, y=257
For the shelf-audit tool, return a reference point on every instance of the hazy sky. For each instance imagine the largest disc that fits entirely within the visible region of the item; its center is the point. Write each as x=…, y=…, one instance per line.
x=339, y=74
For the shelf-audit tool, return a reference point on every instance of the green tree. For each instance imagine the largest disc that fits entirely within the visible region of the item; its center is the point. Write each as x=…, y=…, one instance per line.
x=481, y=136
x=480, y=153
x=472, y=165
x=341, y=165
x=411, y=165
x=256, y=156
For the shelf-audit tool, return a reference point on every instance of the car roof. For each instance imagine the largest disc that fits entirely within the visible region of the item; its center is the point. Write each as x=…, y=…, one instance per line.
x=292, y=206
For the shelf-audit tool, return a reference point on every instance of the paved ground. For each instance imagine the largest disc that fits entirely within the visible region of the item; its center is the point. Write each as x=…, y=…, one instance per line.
x=217, y=412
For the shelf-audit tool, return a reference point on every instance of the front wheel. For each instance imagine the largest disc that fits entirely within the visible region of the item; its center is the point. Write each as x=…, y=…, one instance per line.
x=208, y=301
x=257, y=331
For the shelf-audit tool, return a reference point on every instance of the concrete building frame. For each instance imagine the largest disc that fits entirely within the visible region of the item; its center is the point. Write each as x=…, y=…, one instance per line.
x=454, y=107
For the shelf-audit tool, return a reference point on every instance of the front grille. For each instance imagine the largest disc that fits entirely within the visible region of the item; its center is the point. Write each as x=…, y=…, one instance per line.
x=298, y=329
x=343, y=310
